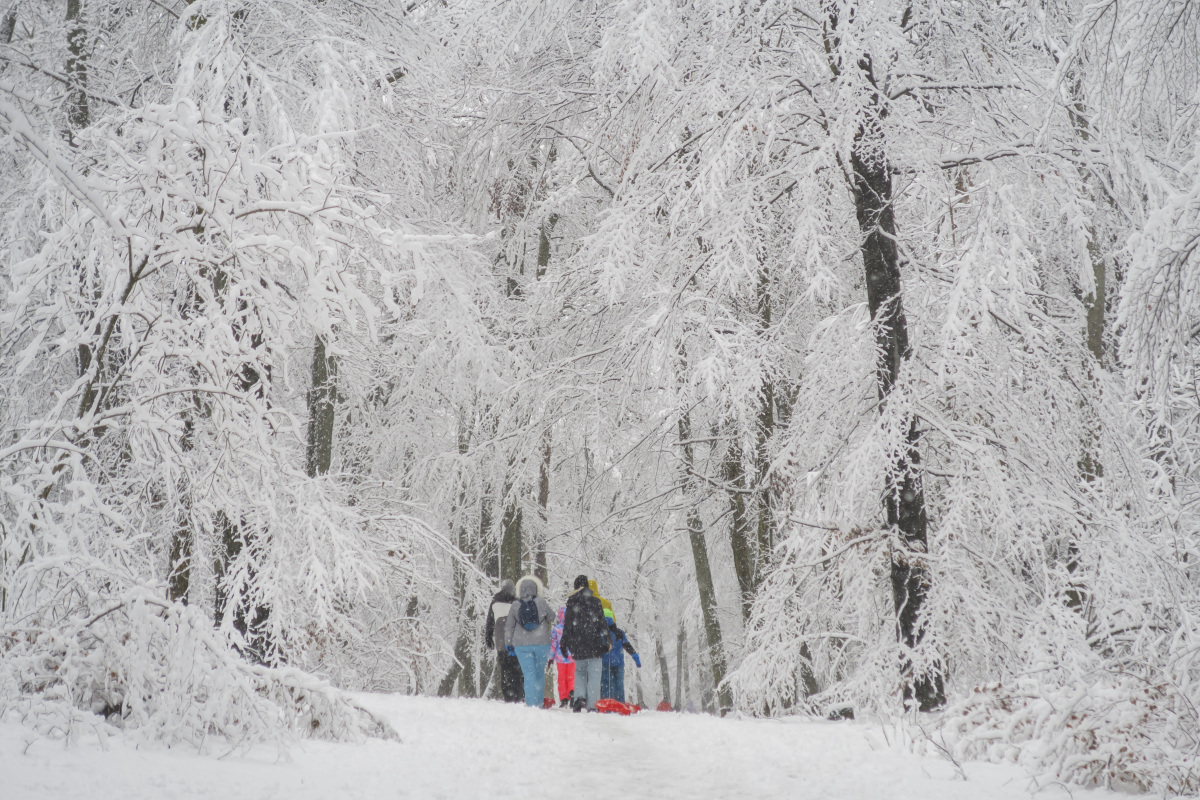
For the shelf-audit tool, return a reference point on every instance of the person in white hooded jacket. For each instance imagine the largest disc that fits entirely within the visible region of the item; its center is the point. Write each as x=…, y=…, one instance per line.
x=527, y=632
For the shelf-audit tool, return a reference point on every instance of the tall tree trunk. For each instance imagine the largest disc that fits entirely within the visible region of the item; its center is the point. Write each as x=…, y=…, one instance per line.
x=540, y=569
x=739, y=524
x=251, y=620
x=769, y=412
x=228, y=548
x=904, y=498
x=681, y=666
x=462, y=671
x=664, y=671
x=180, y=562
x=321, y=400
x=511, y=546
x=179, y=559
x=704, y=580
x=767, y=418
x=486, y=534
x=1094, y=302
x=492, y=564
x=763, y=494
x=78, y=116
x=1090, y=466
x=543, y=257
x=180, y=553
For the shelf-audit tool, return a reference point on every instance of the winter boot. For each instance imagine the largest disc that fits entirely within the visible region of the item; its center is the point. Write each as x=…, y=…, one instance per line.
x=577, y=704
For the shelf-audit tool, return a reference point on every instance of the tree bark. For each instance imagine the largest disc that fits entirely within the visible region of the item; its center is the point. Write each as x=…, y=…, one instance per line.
x=543, y=257
x=904, y=498
x=763, y=493
x=78, y=116
x=179, y=559
x=487, y=540
x=739, y=525
x=462, y=671
x=249, y=620
x=767, y=418
x=487, y=535
x=704, y=580
x=511, y=547
x=540, y=568
x=1094, y=302
x=1090, y=466
x=664, y=670
x=681, y=666
x=321, y=400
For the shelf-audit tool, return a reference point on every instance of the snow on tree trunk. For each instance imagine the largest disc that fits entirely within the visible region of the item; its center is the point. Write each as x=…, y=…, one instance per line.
x=321, y=410
x=704, y=578
x=904, y=498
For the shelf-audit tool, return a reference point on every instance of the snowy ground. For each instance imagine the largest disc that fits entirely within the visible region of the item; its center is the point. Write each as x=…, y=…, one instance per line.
x=471, y=748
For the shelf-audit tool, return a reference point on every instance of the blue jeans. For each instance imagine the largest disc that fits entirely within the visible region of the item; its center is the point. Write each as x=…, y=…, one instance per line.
x=587, y=680
x=612, y=682
x=533, y=658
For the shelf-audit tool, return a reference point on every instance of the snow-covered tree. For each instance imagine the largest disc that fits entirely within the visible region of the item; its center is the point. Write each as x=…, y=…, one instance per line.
x=871, y=325
x=171, y=263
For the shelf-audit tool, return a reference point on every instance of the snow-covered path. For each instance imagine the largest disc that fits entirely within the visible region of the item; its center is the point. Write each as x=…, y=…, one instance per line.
x=470, y=748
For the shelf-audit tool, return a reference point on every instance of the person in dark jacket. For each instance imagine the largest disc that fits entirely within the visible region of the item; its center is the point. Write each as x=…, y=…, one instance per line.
x=585, y=638
x=511, y=678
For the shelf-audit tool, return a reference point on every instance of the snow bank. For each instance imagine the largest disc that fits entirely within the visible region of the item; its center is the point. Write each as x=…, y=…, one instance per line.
x=474, y=748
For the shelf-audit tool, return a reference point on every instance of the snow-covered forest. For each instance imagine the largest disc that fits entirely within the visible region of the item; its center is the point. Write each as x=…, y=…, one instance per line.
x=853, y=346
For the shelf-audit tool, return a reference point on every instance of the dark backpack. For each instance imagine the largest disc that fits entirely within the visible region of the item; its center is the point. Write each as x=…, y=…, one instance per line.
x=527, y=615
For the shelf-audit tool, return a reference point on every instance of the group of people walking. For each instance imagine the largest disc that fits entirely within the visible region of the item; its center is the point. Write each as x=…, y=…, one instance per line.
x=583, y=641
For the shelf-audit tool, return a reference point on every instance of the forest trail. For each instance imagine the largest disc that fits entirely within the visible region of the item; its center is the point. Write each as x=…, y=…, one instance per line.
x=472, y=748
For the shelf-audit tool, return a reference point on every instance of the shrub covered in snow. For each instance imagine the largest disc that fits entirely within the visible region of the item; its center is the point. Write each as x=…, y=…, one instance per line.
x=1119, y=730
x=162, y=670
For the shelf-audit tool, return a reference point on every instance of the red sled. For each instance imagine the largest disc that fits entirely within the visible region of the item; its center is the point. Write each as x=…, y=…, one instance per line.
x=609, y=706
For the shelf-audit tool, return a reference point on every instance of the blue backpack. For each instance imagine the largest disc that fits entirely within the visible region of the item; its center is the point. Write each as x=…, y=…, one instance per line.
x=527, y=615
